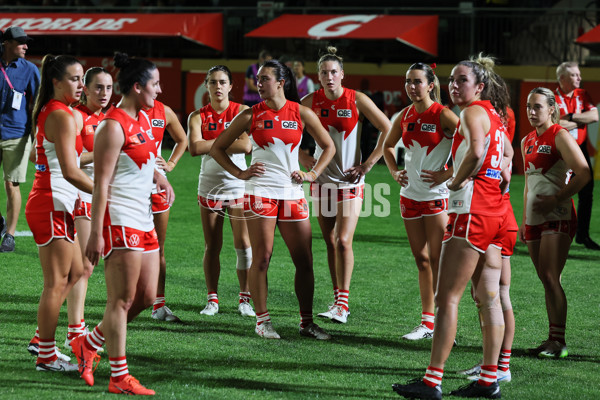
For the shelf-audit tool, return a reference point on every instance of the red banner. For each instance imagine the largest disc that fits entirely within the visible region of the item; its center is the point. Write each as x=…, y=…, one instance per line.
x=206, y=29
x=419, y=31
x=590, y=37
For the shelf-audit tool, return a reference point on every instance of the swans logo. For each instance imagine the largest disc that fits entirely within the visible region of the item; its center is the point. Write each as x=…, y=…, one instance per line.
x=339, y=26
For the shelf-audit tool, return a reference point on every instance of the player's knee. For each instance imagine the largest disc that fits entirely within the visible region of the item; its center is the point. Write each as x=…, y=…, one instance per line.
x=244, y=258
x=505, y=297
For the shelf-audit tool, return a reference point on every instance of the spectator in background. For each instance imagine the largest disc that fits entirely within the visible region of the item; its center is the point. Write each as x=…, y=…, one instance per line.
x=577, y=110
x=251, y=96
x=304, y=83
x=18, y=87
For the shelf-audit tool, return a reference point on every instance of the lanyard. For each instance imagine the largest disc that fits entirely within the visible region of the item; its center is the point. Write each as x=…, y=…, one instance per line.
x=6, y=76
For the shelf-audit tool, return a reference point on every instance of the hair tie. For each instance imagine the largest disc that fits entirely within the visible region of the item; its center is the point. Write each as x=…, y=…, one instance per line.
x=432, y=66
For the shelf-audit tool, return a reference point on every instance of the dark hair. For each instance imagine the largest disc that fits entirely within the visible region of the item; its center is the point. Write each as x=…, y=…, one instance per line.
x=53, y=67
x=222, y=68
x=282, y=71
x=132, y=70
x=495, y=89
x=431, y=77
x=330, y=56
x=264, y=54
x=89, y=76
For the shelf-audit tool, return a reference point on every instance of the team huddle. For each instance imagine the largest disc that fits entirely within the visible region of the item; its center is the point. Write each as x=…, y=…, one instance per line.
x=101, y=191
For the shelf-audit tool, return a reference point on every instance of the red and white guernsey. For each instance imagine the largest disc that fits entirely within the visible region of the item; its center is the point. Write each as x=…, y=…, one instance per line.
x=90, y=123
x=214, y=182
x=275, y=137
x=158, y=122
x=427, y=147
x=340, y=118
x=51, y=191
x=546, y=174
x=129, y=191
x=481, y=195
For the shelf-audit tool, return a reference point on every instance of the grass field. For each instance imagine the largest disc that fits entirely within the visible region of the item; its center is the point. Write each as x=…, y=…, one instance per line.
x=221, y=357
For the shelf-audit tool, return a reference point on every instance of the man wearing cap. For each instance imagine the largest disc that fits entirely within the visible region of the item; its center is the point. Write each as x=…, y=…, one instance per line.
x=577, y=110
x=19, y=82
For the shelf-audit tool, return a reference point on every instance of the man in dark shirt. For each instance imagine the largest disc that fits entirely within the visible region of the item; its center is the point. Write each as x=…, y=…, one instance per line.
x=19, y=82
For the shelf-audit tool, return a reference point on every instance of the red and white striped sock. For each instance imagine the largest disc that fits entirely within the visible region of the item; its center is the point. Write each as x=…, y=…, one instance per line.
x=336, y=294
x=488, y=376
x=245, y=297
x=433, y=376
x=343, y=299
x=47, y=352
x=159, y=302
x=261, y=318
x=212, y=296
x=75, y=330
x=118, y=368
x=306, y=318
x=36, y=337
x=557, y=332
x=427, y=319
x=504, y=360
x=95, y=339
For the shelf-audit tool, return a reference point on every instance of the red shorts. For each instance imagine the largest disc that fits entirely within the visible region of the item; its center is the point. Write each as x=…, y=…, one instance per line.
x=508, y=232
x=159, y=203
x=47, y=226
x=84, y=211
x=283, y=210
x=330, y=191
x=479, y=231
x=413, y=209
x=219, y=205
x=122, y=237
x=567, y=227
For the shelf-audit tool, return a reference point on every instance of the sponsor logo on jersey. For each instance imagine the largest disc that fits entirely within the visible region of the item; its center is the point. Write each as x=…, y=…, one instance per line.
x=457, y=203
x=341, y=113
x=149, y=133
x=324, y=113
x=138, y=138
x=265, y=124
x=90, y=129
x=158, y=123
x=227, y=124
x=428, y=128
x=40, y=167
x=529, y=150
x=544, y=149
x=212, y=126
x=410, y=127
x=493, y=173
x=134, y=240
x=289, y=125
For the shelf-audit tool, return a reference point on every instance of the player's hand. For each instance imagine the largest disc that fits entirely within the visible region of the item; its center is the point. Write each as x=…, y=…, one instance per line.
x=256, y=169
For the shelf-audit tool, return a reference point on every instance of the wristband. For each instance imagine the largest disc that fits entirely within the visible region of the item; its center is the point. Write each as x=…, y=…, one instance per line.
x=315, y=175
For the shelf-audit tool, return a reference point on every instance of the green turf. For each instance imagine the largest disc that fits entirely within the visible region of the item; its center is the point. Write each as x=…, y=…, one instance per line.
x=220, y=357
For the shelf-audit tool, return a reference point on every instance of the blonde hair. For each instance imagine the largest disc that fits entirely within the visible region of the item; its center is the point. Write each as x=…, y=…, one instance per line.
x=330, y=56
x=550, y=100
x=495, y=89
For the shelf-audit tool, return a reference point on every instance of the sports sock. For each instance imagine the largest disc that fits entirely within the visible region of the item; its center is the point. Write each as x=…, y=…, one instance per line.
x=245, y=297
x=159, y=302
x=212, y=296
x=306, y=318
x=336, y=294
x=433, y=376
x=557, y=332
x=487, y=376
x=118, y=368
x=504, y=360
x=36, y=337
x=261, y=318
x=427, y=319
x=47, y=352
x=343, y=299
x=75, y=330
x=95, y=340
